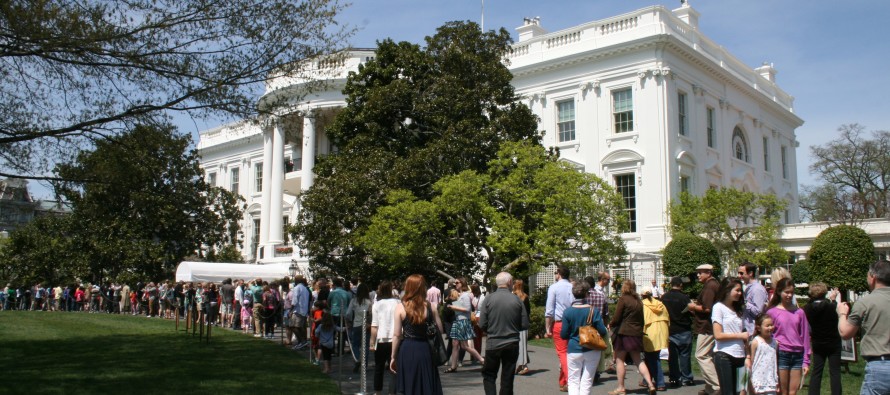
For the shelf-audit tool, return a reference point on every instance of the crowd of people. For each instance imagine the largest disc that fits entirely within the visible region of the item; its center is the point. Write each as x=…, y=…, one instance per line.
x=748, y=339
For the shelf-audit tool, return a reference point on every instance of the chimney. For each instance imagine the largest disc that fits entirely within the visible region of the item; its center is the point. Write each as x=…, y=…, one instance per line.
x=531, y=28
x=687, y=14
x=767, y=71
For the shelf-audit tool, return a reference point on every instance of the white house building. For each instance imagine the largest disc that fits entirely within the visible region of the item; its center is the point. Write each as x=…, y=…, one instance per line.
x=643, y=100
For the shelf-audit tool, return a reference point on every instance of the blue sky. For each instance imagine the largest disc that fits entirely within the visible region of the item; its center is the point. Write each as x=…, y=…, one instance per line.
x=832, y=56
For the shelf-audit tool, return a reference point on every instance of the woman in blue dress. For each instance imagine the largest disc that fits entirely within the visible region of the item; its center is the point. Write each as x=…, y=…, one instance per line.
x=411, y=358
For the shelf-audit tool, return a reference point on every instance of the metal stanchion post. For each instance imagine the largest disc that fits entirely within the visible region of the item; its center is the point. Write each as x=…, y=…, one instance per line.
x=339, y=347
x=364, y=355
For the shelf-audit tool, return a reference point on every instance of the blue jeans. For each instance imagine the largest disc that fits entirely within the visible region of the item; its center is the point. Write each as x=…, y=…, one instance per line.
x=679, y=360
x=875, y=382
x=356, y=344
x=654, y=365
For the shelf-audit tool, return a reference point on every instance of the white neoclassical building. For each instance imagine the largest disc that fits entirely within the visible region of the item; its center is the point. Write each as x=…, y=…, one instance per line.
x=643, y=100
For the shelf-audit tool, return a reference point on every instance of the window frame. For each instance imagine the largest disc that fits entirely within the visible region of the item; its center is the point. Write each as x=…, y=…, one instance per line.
x=625, y=125
x=711, y=126
x=626, y=198
x=766, y=154
x=211, y=178
x=258, y=177
x=559, y=122
x=235, y=179
x=738, y=136
x=784, y=155
x=682, y=113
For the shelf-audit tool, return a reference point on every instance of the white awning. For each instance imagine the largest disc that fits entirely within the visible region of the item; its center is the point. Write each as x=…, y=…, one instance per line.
x=217, y=272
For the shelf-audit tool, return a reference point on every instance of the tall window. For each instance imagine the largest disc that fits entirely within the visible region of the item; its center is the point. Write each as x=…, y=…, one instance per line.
x=623, y=110
x=684, y=184
x=739, y=145
x=254, y=244
x=627, y=189
x=211, y=179
x=784, y=162
x=682, y=114
x=566, y=123
x=765, y=154
x=258, y=176
x=285, y=222
x=235, y=174
x=711, y=137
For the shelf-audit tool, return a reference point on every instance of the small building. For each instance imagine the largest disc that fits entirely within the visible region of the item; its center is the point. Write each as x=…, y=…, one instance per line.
x=17, y=207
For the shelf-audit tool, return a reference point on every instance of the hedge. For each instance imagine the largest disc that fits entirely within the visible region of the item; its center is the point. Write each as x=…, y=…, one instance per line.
x=684, y=253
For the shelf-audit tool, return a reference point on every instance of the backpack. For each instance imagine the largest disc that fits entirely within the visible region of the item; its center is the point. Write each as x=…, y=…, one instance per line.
x=272, y=301
x=247, y=298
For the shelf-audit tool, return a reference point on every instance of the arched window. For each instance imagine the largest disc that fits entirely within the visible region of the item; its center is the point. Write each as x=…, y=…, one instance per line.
x=739, y=145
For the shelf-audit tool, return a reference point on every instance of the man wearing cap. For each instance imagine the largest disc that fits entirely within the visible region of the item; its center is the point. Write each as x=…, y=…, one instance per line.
x=872, y=315
x=701, y=310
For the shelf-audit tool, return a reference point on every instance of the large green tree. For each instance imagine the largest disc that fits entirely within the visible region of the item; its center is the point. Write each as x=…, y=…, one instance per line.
x=529, y=209
x=148, y=208
x=743, y=226
x=414, y=115
x=855, y=170
x=74, y=71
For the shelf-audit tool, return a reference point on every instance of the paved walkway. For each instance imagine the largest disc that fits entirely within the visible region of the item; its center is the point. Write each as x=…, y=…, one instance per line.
x=541, y=379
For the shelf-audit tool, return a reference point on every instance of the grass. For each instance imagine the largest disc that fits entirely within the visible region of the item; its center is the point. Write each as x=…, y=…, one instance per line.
x=850, y=381
x=60, y=353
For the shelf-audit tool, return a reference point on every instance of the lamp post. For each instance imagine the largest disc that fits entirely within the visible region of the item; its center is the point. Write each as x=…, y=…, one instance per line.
x=292, y=269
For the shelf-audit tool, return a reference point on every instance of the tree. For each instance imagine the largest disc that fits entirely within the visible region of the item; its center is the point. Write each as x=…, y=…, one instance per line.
x=150, y=209
x=528, y=210
x=840, y=257
x=684, y=253
x=413, y=116
x=743, y=226
x=856, y=175
x=74, y=72
x=45, y=249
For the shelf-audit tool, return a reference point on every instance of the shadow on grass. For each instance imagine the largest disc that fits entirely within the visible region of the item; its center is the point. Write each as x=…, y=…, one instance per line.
x=75, y=352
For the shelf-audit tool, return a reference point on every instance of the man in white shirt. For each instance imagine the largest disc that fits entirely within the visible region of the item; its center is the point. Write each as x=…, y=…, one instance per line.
x=434, y=295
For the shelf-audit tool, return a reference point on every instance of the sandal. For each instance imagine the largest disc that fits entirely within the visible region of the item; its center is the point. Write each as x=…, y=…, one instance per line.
x=652, y=391
x=450, y=370
x=617, y=392
x=523, y=371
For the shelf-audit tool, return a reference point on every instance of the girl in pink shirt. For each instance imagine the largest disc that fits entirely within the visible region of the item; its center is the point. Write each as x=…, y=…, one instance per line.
x=793, y=334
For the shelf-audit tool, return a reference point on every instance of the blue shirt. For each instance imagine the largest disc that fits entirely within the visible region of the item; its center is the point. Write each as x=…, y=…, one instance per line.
x=559, y=298
x=756, y=299
x=574, y=318
x=301, y=300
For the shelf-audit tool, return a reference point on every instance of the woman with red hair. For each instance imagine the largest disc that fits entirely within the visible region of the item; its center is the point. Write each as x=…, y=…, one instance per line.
x=411, y=360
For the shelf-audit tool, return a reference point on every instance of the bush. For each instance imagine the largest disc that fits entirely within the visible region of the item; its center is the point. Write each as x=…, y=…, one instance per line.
x=539, y=297
x=536, y=322
x=684, y=253
x=800, y=271
x=840, y=257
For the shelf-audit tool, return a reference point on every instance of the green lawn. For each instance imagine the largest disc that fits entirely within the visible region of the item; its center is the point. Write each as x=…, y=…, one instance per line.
x=47, y=352
x=850, y=381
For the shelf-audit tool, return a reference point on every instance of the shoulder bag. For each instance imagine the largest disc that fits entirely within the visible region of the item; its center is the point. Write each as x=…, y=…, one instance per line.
x=589, y=337
x=434, y=338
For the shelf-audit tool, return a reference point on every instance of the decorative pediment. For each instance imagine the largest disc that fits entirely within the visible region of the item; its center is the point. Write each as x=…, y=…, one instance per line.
x=621, y=156
x=686, y=158
x=575, y=165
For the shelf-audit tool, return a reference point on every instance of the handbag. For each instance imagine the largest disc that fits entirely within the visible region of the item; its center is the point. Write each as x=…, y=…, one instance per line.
x=589, y=337
x=434, y=339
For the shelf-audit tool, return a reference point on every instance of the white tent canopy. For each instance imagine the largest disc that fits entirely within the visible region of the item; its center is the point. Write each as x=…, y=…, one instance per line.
x=217, y=272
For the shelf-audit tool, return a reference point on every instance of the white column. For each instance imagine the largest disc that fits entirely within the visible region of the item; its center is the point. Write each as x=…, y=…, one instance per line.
x=266, y=191
x=308, y=176
x=275, y=185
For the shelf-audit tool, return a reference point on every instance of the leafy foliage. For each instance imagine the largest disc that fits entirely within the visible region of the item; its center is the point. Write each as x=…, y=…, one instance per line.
x=684, y=253
x=840, y=257
x=150, y=210
x=77, y=71
x=856, y=175
x=529, y=209
x=743, y=226
x=413, y=116
x=800, y=271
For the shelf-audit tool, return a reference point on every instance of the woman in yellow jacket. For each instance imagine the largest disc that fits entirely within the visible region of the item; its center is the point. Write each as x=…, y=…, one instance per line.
x=656, y=325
